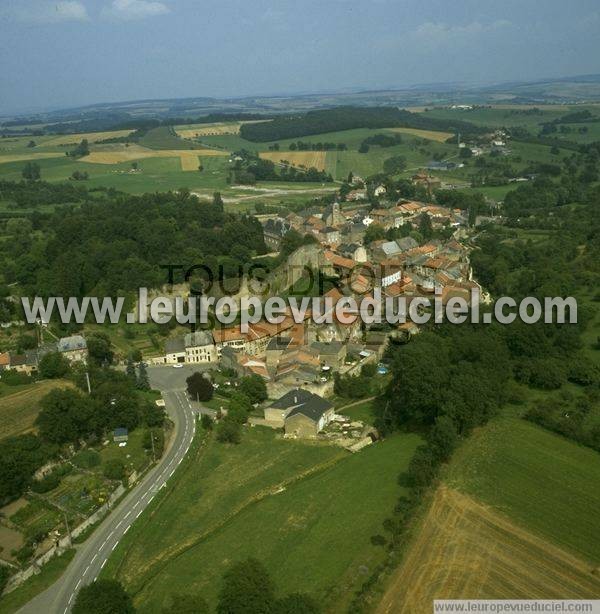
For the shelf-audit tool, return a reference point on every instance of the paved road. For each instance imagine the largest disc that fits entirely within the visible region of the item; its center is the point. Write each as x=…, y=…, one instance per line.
x=92, y=555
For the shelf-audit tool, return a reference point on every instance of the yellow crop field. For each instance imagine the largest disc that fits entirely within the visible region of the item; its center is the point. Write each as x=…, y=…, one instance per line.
x=216, y=129
x=30, y=156
x=306, y=159
x=116, y=155
x=92, y=137
x=465, y=550
x=190, y=131
x=189, y=162
x=432, y=135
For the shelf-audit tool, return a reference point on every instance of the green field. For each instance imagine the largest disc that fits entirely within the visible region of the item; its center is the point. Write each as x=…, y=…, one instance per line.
x=416, y=150
x=163, y=174
x=361, y=411
x=545, y=483
x=262, y=490
x=500, y=117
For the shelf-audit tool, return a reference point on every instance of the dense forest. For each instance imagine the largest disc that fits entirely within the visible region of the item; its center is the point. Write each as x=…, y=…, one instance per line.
x=347, y=118
x=120, y=242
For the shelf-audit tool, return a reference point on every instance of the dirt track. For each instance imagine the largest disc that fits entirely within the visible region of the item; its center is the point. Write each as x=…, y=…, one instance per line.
x=465, y=550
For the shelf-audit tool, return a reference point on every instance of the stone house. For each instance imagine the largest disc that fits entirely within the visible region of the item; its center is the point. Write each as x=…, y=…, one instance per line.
x=300, y=412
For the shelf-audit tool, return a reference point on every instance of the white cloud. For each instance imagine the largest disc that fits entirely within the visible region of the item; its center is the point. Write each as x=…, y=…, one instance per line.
x=135, y=9
x=45, y=11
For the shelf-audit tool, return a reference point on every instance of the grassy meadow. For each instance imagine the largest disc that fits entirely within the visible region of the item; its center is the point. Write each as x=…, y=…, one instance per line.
x=287, y=499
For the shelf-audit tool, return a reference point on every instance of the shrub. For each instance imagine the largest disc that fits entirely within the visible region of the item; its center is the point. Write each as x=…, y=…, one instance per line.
x=114, y=469
x=229, y=431
x=86, y=459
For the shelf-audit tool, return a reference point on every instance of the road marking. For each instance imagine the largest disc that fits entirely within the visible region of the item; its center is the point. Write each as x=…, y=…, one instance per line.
x=115, y=545
x=172, y=472
x=93, y=559
x=78, y=583
x=127, y=514
x=139, y=514
x=71, y=597
x=120, y=523
x=86, y=570
x=103, y=564
x=127, y=529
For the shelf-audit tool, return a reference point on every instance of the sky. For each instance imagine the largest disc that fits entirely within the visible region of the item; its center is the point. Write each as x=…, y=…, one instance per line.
x=65, y=53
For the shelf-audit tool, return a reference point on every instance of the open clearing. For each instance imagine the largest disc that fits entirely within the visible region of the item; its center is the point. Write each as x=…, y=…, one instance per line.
x=302, y=159
x=190, y=131
x=306, y=511
x=30, y=156
x=431, y=135
x=92, y=137
x=19, y=410
x=467, y=551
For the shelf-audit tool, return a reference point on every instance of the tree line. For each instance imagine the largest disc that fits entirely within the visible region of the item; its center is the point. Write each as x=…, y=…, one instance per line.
x=347, y=118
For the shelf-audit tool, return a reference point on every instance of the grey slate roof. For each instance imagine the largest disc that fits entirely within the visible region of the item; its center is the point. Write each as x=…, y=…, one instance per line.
x=69, y=344
x=303, y=402
x=390, y=248
x=406, y=243
x=175, y=346
x=198, y=339
x=314, y=408
x=293, y=398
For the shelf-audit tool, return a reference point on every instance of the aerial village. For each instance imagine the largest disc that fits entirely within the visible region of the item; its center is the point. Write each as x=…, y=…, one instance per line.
x=299, y=361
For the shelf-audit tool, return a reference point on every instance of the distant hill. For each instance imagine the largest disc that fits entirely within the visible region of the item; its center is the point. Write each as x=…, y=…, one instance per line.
x=104, y=116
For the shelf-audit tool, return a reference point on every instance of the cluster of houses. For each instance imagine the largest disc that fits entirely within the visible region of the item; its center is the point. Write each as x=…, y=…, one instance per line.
x=294, y=354
x=73, y=348
x=288, y=353
x=397, y=267
x=296, y=358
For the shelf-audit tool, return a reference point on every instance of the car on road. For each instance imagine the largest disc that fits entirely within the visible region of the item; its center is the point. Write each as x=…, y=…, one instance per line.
x=177, y=366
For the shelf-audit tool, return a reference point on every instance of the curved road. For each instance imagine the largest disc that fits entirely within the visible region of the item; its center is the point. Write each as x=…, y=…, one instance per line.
x=92, y=555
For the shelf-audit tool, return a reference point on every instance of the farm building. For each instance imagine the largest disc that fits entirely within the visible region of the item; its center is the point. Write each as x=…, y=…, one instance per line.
x=73, y=348
x=307, y=419
x=300, y=412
